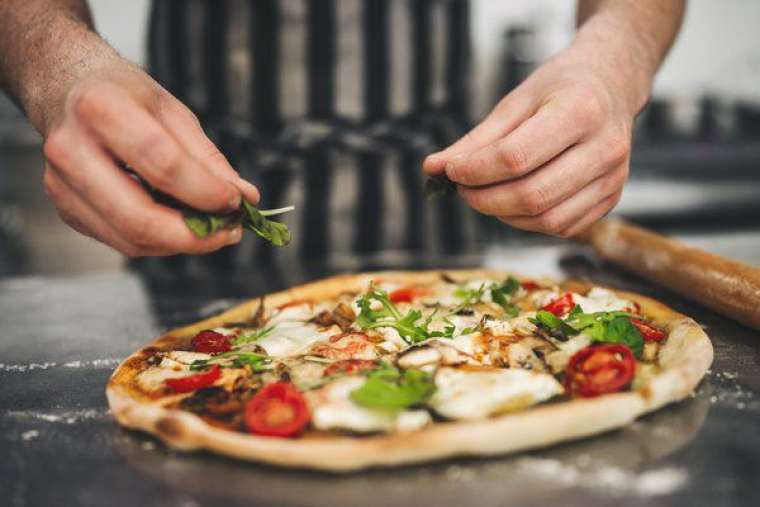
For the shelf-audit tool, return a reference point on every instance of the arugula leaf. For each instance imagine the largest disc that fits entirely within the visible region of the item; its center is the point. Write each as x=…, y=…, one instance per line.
x=276, y=233
x=233, y=359
x=252, y=336
x=411, y=327
x=437, y=186
x=502, y=295
x=250, y=217
x=469, y=296
x=388, y=388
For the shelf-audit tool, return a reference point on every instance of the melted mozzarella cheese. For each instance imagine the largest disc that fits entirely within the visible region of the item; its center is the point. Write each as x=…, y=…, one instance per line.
x=332, y=409
x=291, y=338
x=462, y=394
x=154, y=377
x=601, y=300
x=187, y=358
x=299, y=313
x=558, y=359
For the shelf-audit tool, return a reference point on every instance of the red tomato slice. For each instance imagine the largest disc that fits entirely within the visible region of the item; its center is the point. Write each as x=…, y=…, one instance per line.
x=529, y=285
x=195, y=382
x=211, y=342
x=597, y=370
x=349, y=366
x=277, y=410
x=560, y=306
x=406, y=294
x=648, y=331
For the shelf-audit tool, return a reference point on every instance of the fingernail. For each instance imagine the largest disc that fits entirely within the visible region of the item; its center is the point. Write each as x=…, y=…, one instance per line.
x=234, y=235
x=236, y=201
x=249, y=189
x=449, y=169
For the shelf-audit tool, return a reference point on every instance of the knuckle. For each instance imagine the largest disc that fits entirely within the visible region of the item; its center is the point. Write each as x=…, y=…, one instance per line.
x=514, y=158
x=550, y=223
x=55, y=148
x=162, y=157
x=619, y=148
x=132, y=251
x=589, y=107
x=136, y=230
x=89, y=101
x=534, y=200
x=50, y=185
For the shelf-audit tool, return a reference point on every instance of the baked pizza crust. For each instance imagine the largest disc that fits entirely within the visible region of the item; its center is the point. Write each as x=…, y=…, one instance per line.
x=684, y=360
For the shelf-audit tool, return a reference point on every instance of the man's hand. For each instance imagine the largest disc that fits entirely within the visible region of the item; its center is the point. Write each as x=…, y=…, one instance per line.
x=99, y=113
x=553, y=155
x=121, y=116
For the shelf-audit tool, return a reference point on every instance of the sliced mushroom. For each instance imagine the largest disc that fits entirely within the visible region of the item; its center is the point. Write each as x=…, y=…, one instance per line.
x=419, y=356
x=520, y=355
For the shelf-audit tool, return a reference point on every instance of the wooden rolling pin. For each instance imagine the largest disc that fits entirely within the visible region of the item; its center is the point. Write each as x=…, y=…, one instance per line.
x=729, y=287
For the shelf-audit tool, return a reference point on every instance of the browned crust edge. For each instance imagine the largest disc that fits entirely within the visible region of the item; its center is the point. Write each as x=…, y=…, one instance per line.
x=685, y=359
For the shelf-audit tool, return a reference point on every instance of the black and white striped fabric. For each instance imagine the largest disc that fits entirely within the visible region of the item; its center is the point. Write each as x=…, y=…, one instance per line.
x=331, y=105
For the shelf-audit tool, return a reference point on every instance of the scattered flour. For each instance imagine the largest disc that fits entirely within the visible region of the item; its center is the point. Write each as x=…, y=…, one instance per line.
x=94, y=363
x=30, y=435
x=21, y=368
x=611, y=480
x=65, y=417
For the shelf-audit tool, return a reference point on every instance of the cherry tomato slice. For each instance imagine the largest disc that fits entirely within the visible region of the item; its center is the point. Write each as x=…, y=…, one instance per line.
x=597, y=370
x=648, y=331
x=195, y=382
x=529, y=285
x=211, y=342
x=406, y=294
x=349, y=366
x=277, y=410
x=560, y=306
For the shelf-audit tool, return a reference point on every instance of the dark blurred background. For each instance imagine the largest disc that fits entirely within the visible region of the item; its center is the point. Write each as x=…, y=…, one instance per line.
x=696, y=163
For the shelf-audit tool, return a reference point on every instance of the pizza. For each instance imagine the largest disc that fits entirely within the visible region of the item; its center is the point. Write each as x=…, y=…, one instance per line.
x=390, y=368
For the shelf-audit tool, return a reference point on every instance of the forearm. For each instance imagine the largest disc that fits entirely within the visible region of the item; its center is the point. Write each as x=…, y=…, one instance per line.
x=45, y=45
x=628, y=39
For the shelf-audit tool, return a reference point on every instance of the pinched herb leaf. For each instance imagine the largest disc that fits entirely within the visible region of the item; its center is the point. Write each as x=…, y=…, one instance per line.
x=233, y=359
x=388, y=388
x=252, y=336
x=250, y=217
x=437, y=186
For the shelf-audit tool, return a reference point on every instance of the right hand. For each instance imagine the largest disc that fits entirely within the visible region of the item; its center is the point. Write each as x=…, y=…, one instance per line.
x=122, y=116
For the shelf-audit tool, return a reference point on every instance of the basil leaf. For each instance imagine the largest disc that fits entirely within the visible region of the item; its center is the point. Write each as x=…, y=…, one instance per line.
x=620, y=330
x=556, y=327
x=390, y=389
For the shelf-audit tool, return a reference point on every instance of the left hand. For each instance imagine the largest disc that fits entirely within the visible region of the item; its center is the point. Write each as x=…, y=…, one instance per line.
x=553, y=155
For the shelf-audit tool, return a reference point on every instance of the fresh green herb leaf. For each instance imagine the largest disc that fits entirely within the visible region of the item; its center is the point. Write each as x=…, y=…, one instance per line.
x=388, y=388
x=411, y=327
x=252, y=336
x=603, y=327
x=204, y=224
x=233, y=359
x=556, y=327
x=438, y=186
x=276, y=233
